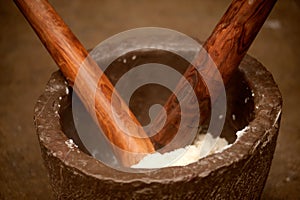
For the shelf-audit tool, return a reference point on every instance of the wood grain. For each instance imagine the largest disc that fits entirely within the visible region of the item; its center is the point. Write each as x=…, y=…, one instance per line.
x=227, y=46
x=69, y=55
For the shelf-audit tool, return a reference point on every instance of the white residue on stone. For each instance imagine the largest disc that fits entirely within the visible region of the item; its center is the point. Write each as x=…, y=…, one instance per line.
x=60, y=98
x=221, y=116
x=133, y=57
x=74, y=172
x=66, y=83
x=36, y=109
x=241, y=132
x=124, y=60
x=204, y=145
x=256, y=107
x=70, y=143
x=67, y=90
x=186, y=155
x=253, y=94
x=253, y=128
x=277, y=117
x=226, y=147
x=58, y=105
x=246, y=99
x=233, y=117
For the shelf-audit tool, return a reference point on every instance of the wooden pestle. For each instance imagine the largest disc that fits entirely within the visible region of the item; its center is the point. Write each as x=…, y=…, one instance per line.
x=69, y=55
x=227, y=45
x=240, y=24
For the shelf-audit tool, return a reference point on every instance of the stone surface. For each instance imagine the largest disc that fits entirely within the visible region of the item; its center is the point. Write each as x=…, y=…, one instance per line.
x=238, y=172
x=26, y=67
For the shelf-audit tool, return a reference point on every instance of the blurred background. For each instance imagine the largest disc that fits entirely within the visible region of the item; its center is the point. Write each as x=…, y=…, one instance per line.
x=26, y=66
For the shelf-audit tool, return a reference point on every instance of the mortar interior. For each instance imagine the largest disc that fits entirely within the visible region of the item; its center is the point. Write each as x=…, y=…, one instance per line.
x=240, y=104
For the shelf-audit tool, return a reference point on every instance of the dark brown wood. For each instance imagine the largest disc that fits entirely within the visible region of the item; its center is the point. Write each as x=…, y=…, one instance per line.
x=227, y=46
x=69, y=55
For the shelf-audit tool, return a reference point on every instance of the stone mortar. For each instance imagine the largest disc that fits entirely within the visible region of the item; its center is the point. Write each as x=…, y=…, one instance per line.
x=239, y=172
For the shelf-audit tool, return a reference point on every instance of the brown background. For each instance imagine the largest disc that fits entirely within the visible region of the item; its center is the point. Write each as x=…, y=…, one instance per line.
x=26, y=66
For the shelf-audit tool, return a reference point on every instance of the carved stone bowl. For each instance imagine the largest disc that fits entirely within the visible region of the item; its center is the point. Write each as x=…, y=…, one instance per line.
x=238, y=172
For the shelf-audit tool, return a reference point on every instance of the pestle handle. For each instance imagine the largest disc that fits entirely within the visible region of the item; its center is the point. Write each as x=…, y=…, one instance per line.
x=227, y=45
x=69, y=55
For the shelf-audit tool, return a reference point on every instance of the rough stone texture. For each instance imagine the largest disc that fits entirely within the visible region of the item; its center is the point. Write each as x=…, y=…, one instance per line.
x=26, y=67
x=239, y=172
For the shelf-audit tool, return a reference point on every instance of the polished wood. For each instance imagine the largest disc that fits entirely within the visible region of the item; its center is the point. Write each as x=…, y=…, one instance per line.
x=227, y=46
x=71, y=56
